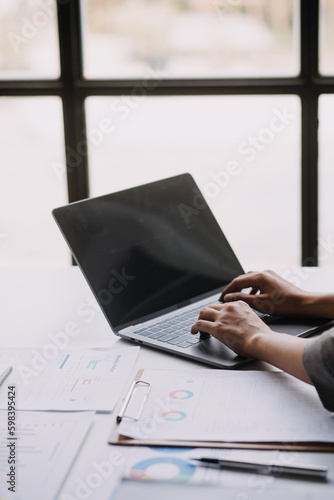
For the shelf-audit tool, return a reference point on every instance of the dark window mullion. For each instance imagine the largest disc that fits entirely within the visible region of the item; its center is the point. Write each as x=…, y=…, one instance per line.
x=69, y=26
x=237, y=86
x=310, y=97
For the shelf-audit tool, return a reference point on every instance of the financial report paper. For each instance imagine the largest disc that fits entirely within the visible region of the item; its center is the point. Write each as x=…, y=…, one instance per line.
x=232, y=406
x=72, y=380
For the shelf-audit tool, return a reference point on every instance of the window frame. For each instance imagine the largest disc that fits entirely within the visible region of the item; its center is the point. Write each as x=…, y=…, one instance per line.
x=73, y=88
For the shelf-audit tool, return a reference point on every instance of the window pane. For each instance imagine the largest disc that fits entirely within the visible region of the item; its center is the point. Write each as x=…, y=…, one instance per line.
x=326, y=181
x=32, y=181
x=190, y=38
x=28, y=39
x=326, y=63
x=244, y=152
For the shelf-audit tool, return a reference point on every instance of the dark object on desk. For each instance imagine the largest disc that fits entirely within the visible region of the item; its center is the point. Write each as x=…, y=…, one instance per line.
x=274, y=468
x=204, y=335
x=154, y=256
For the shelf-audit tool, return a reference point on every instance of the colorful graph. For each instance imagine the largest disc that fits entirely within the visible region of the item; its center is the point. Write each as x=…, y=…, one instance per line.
x=174, y=416
x=165, y=468
x=181, y=394
x=86, y=381
x=93, y=363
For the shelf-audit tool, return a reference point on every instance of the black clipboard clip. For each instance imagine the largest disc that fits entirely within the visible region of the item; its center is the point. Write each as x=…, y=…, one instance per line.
x=134, y=386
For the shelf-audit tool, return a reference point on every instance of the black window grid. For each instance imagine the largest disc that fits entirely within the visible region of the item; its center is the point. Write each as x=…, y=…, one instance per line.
x=73, y=89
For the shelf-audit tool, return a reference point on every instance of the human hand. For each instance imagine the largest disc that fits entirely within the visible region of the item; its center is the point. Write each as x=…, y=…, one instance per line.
x=269, y=293
x=235, y=325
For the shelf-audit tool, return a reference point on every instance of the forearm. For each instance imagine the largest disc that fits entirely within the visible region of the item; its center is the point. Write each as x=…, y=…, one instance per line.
x=283, y=351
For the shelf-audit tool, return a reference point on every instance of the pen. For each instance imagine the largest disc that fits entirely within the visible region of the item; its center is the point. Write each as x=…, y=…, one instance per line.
x=275, y=468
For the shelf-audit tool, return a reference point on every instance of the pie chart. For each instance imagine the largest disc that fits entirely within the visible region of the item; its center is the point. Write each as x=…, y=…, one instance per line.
x=163, y=468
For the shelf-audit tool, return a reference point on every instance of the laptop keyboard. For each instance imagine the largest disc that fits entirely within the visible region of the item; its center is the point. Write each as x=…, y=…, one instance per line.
x=176, y=330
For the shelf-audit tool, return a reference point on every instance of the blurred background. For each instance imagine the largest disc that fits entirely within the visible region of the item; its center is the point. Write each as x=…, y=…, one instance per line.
x=136, y=137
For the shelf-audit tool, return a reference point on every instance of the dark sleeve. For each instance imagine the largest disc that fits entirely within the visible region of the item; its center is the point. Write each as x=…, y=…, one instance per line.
x=318, y=360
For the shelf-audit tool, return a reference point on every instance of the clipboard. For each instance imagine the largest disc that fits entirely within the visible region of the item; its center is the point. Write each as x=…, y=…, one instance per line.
x=116, y=438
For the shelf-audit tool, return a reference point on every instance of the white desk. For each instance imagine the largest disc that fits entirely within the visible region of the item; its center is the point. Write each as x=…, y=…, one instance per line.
x=35, y=302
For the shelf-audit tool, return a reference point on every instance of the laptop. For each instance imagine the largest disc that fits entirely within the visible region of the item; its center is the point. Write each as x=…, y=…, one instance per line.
x=153, y=256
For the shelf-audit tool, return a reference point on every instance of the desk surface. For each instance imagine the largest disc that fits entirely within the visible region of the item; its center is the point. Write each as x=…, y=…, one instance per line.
x=35, y=302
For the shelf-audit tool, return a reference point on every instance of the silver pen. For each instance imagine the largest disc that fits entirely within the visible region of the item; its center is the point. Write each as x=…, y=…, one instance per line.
x=275, y=468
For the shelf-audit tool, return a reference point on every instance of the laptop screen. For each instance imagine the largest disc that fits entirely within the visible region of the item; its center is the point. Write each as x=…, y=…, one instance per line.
x=148, y=249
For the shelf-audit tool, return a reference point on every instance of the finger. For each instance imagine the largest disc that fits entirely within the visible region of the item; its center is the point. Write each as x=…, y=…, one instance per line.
x=254, y=291
x=203, y=326
x=238, y=284
x=251, y=300
x=217, y=307
x=208, y=313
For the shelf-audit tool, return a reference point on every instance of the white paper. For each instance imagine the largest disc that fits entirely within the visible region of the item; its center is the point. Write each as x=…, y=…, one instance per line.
x=85, y=379
x=45, y=448
x=97, y=472
x=215, y=405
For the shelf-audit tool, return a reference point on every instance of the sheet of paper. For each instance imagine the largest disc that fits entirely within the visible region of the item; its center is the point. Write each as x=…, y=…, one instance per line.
x=97, y=471
x=215, y=405
x=85, y=379
x=42, y=454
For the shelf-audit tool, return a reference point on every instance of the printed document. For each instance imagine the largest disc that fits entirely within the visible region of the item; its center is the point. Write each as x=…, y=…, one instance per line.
x=35, y=461
x=84, y=379
x=231, y=406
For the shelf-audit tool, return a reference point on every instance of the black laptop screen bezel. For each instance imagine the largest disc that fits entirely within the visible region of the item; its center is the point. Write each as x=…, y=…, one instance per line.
x=166, y=226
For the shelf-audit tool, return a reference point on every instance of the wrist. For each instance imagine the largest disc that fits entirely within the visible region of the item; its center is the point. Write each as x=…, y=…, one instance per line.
x=261, y=344
x=303, y=303
x=315, y=304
